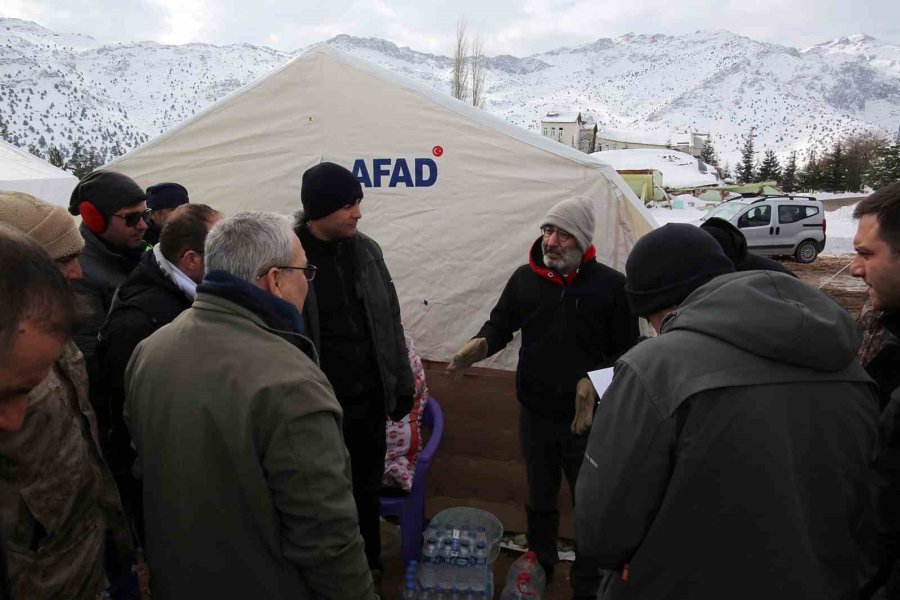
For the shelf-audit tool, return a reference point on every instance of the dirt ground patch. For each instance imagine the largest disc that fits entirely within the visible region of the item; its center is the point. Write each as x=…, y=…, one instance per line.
x=826, y=273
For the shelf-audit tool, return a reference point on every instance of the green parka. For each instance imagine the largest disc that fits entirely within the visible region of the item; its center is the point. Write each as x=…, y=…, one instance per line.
x=246, y=477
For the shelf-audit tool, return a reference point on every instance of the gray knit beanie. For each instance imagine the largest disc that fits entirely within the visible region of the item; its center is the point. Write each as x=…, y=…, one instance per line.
x=575, y=216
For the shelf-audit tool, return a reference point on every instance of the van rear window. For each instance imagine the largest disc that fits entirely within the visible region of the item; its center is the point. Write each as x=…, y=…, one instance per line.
x=790, y=214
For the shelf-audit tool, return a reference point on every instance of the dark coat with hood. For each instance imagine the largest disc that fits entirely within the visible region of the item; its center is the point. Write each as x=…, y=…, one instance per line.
x=734, y=245
x=570, y=325
x=729, y=457
x=146, y=301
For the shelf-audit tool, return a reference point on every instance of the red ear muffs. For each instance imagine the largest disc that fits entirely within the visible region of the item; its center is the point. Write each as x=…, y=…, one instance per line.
x=92, y=218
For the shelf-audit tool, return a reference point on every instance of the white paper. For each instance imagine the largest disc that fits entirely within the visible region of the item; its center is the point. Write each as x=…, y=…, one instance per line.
x=601, y=379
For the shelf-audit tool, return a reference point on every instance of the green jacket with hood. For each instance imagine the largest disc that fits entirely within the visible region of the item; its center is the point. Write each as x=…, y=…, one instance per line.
x=246, y=476
x=729, y=457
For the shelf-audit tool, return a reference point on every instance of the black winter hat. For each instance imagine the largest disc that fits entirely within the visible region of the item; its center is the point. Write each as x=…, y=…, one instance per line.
x=669, y=263
x=327, y=187
x=166, y=195
x=107, y=191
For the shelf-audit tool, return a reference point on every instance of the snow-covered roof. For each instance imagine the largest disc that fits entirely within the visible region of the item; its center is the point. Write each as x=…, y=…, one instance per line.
x=561, y=117
x=634, y=136
x=679, y=169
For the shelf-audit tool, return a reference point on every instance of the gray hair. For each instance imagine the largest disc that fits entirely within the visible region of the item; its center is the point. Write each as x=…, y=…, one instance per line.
x=249, y=243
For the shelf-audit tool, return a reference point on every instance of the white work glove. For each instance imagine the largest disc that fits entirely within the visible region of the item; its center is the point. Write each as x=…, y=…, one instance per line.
x=584, y=406
x=475, y=350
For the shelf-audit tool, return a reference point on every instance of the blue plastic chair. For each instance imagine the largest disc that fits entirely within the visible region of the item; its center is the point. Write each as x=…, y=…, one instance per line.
x=410, y=508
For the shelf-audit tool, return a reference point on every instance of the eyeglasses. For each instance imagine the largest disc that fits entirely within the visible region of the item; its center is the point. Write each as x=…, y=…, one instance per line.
x=562, y=236
x=309, y=271
x=132, y=219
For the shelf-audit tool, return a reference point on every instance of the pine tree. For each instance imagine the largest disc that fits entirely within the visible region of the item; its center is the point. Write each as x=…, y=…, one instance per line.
x=769, y=170
x=32, y=149
x=745, y=169
x=708, y=154
x=834, y=175
x=788, y=179
x=885, y=167
x=811, y=176
x=55, y=157
x=78, y=161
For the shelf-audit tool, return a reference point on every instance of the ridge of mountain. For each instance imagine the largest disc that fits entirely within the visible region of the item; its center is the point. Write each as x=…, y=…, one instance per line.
x=58, y=88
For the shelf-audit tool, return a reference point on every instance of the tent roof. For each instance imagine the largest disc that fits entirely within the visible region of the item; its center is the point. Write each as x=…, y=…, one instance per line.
x=679, y=169
x=17, y=164
x=453, y=195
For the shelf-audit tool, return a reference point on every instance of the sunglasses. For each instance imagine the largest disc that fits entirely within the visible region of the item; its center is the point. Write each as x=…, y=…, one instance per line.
x=132, y=219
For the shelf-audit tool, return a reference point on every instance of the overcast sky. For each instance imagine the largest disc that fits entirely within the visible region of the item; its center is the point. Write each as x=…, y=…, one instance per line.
x=518, y=27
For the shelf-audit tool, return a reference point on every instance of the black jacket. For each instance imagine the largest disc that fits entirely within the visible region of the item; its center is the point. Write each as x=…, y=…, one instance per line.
x=729, y=457
x=367, y=287
x=884, y=367
x=146, y=301
x=734, y=245
x=104, y=269
x=569, y=326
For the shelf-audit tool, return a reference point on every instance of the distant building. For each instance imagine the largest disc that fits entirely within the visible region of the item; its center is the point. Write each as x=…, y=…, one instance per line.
x=623, y=139
x=571, y=129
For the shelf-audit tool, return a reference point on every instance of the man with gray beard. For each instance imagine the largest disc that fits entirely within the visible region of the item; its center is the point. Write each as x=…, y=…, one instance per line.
x=574, y=317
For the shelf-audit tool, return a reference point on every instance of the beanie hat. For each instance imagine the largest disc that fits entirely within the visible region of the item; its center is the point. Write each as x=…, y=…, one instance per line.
x=107, y=191
x=47, y=224
x=166, y=195
x=326, y=188
x=575, y=216
x=668, y=264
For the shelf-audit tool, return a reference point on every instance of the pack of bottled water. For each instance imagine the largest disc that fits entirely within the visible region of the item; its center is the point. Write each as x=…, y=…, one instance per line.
x=454, y=566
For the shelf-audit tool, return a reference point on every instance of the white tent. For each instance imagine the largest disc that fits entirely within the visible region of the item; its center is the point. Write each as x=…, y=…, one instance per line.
x=454, y=195
x=23, y=172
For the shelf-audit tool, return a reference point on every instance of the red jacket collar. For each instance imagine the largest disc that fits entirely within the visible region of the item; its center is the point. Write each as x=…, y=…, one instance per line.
x=536, y=262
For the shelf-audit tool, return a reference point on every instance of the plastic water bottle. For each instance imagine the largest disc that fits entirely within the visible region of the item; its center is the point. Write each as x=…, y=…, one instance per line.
x=528, y=563
x=520, y=589
x=481, y=536
x=440, y=593
x=427, y=593
x=409, y=590
x=465, y=553
x=480, y=555
x=431, y=552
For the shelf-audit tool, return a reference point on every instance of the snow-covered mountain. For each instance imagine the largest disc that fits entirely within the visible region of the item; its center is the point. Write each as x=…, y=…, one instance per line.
x=62, y=88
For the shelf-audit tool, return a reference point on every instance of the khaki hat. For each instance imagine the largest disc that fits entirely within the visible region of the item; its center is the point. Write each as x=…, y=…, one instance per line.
x=49, y=225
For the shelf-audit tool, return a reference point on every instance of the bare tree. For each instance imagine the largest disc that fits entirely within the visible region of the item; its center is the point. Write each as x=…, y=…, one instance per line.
x=476, y=70
x=459, y=82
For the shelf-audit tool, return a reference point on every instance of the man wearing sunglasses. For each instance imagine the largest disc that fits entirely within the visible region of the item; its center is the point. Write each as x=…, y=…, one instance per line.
x=112, y=208
x=574, y=317
x=159, y=289
x=363, y=351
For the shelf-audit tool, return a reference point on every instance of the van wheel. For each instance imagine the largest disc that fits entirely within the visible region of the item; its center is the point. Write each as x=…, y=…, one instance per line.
x=807, y=251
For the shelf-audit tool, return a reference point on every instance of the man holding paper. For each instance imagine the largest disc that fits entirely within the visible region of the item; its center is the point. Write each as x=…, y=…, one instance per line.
x=729, y=456
x=574, y=318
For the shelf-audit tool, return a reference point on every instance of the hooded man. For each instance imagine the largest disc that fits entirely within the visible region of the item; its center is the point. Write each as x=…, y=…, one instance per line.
x=159, y=289
x=162, y=199
x=574, y=318
x=112, y=209
x=67, y=533
x=729, y=456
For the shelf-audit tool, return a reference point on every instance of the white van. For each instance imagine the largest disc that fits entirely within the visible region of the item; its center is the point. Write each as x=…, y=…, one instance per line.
x=778, y=225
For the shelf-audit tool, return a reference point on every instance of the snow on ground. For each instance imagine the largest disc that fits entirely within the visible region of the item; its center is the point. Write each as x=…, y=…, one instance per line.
x=840, y=225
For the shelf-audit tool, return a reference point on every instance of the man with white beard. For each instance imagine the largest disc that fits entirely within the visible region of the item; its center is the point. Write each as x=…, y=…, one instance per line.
x=574, y=317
